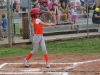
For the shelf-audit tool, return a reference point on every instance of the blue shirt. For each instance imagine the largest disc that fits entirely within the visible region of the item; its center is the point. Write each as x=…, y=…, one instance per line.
x=4, y=24
x=90, y=2
x=63, y=1
x=82, y=2
x=45, y=8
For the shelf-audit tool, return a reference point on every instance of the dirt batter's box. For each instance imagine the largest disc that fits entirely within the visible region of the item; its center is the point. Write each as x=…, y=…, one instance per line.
x=39, y=68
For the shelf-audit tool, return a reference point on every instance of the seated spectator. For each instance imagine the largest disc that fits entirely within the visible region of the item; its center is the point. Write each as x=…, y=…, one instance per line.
x=82, y=4
x=96, y=16
x=56, y=2
x=45, y=2
x=68, y=3
x=54, y=14
x=36, y=3
x=65, y=15
x=79, y=7
x=91, y=5
x=50, y=3
x=44, y=12
x=60, y=1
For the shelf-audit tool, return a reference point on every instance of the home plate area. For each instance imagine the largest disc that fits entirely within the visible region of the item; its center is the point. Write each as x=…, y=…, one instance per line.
x=38, y=68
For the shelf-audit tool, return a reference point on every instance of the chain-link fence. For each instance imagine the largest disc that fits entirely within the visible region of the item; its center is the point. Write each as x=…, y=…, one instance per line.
x=20, y=30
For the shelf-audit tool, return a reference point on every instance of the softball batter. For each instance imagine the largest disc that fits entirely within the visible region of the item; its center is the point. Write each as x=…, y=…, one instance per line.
x=38, y=36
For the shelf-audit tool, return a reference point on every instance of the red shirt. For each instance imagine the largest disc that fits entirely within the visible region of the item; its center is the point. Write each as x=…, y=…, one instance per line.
x=38, y=29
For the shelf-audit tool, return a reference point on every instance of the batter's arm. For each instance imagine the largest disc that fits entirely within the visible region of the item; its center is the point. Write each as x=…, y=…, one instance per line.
x=47, y=24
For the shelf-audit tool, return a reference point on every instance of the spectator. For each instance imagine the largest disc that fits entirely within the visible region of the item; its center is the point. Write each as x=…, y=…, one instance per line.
x=54, y=12
x=65, y=15
x=44, y=12
x=36, y=4
x=96, y=15
x=50, y=3
x=90, y=4
x=45, y=2
x=4, y=26
x=68, y=3
x=82, y=4
x=79, y=7
x=56, y=1
x=74, y=14
x=60, y=1
x=16, y=5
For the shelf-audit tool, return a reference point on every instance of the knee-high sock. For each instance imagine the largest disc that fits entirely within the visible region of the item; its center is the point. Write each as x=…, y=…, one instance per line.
x=46, y=58
x=29, y=56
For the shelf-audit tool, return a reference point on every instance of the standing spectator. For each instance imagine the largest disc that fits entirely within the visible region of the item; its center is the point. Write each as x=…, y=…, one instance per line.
x=90, y=4
x=4, y=26
x=54, y=13
x=65, y=15
x=16, y=5
x=73, y=14
x=44, y=12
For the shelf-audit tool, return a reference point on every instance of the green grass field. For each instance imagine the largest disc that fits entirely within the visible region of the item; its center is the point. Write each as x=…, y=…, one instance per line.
x=89, y=46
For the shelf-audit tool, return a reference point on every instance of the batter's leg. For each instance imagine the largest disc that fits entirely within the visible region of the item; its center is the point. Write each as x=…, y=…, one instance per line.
x=43, y=46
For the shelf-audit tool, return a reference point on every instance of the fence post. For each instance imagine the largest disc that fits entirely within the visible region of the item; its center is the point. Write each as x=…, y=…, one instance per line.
x=25, y=24
x=8, y=22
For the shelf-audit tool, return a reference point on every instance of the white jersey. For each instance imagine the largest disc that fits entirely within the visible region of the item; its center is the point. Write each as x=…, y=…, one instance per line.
x=73, y=11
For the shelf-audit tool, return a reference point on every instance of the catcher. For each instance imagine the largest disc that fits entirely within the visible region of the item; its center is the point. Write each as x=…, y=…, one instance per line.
x=38, y=36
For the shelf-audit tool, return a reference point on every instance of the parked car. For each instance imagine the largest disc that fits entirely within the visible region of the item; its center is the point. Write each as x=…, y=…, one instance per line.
x=3, y=5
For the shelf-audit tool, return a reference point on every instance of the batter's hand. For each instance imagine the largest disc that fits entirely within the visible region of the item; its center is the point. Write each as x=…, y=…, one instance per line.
x=53, y=24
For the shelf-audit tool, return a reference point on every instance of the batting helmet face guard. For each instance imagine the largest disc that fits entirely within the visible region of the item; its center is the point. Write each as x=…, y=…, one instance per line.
x=34, y=11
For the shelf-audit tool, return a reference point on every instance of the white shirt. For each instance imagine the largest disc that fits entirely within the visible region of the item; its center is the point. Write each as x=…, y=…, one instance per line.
x=74, y=11
x=55, y=1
